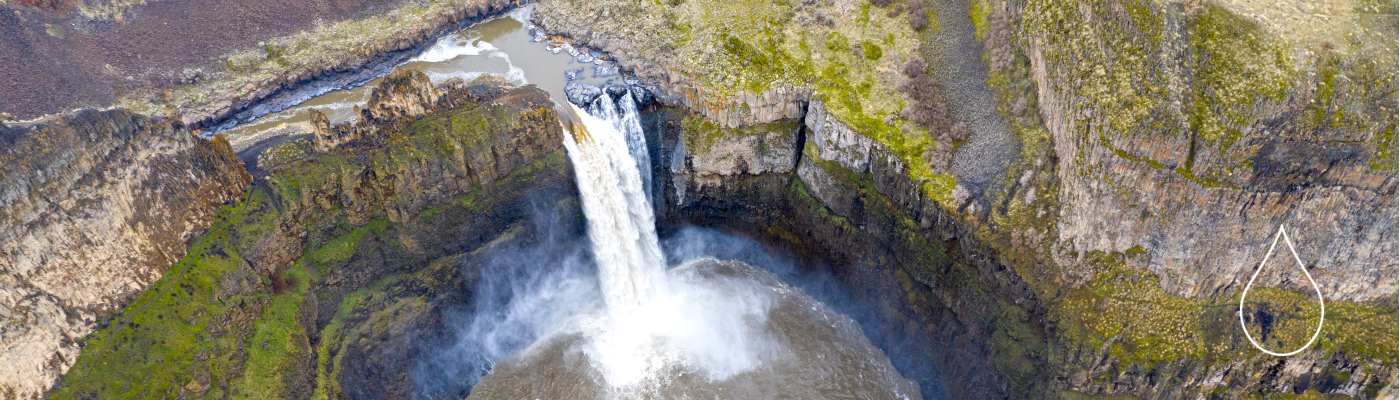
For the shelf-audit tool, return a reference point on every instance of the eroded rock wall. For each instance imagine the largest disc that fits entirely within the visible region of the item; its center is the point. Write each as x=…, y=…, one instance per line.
x=1208, y=171
x=96, y=205
x=909, y=273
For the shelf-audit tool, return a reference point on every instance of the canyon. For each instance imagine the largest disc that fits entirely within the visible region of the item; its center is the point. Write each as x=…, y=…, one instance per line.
x=1025, y=198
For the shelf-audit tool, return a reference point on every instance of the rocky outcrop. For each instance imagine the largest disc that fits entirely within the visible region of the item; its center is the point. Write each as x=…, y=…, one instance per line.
x=403, y=95
x=96, y=205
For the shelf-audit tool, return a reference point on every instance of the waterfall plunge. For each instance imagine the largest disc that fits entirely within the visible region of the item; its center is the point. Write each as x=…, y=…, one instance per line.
x=653, y=323
x=620, y=221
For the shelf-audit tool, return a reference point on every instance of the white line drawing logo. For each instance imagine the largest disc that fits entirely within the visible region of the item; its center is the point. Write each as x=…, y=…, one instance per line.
x=1322, y=307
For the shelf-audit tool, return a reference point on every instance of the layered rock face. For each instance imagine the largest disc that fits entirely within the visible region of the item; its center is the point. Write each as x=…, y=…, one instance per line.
x=1211, y=169
x=96, y=204
x=341, y=262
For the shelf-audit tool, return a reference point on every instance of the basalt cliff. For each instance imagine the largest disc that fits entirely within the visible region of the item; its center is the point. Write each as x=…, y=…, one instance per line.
x=97, y=205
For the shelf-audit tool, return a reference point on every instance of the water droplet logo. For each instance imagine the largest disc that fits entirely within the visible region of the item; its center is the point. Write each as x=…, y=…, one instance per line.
x=1322, y=314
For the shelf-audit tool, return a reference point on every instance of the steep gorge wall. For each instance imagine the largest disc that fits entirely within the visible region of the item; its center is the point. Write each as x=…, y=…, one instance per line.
x=96, y=205
x=928, y=296
x=1181, y=137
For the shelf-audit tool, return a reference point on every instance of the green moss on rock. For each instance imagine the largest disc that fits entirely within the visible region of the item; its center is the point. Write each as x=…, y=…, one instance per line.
x=700, y=134
x=1236, y=68
x=180, y=336
x=1125, y=310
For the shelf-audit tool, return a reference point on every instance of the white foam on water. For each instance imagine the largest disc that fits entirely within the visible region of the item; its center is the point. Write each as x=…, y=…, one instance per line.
x=523, y=14
x=514, y=73
x=453, y=46
x=439, y=77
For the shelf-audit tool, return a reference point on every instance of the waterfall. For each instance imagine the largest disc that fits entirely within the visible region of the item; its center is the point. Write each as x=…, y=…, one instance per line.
x=652, y=321
x=608, y=151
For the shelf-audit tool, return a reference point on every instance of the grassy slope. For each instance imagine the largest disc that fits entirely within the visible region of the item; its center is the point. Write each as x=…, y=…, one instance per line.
x=175, y=334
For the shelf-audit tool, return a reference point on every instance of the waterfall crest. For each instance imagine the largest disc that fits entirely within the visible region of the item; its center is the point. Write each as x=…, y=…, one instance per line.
x=624, y=116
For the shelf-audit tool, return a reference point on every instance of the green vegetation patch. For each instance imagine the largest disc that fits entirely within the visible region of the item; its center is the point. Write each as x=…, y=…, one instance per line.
x=339, y=249
x=328, y=351
x=452, y=131
x=182, y=334
x=978, y=12
x=1112, y=66
x=1236, y=68
x=851, y=59
x=277, y=342
x=1125, y=309
x=700, y=134
x=1356, y=329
